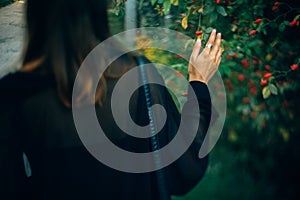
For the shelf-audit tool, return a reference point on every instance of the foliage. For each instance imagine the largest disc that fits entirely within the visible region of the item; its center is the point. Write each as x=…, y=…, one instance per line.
x=5, y=2
x=261, y=75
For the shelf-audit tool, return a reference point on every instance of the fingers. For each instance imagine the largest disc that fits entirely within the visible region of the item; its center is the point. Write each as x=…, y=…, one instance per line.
x=210, y=41
x=216, y=46
x=203, y=65
x=196, y=48
x=219, y=56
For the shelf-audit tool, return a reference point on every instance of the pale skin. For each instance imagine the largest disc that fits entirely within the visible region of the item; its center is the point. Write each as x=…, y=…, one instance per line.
x=203, y=65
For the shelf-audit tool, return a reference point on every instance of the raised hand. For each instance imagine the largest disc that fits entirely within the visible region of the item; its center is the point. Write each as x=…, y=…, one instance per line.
x=203, y=65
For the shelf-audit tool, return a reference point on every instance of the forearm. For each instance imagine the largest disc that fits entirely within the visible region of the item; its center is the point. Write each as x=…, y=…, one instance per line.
x=189, y=168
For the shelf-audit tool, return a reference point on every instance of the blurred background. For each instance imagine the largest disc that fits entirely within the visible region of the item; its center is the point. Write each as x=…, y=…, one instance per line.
x=258, y=153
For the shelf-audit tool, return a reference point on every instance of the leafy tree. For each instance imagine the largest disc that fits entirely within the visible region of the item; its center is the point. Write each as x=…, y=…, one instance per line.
x=260, y=71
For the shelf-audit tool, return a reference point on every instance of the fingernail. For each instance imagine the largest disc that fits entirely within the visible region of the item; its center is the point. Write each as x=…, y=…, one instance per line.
x=219, y=34
x=214, y=30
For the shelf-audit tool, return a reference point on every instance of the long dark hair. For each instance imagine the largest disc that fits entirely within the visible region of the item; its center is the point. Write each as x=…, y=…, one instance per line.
x=60, y=34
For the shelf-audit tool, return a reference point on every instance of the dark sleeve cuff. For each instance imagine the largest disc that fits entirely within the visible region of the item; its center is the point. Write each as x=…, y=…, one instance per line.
x=200, y=90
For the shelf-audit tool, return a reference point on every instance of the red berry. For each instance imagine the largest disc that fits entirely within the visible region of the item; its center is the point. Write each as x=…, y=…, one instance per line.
x=179, y=74
x=268, y=67
x=257, y=21
x=255, y=62
x=246, y=100
x=285, y=103
x=180, y=56
x=217, y=1
x=267, y=75
x=228, y=57
x=170, y=83
x=274, y=7
x=245, y=63
x=253, y=114
x=253, y=90
x=198, y=33
x=276, y=3
x=218, y=85
x=251, y=84
x=235, y=55
x=184, y=94
x=258, y=72
x=221, y=95
x=252, y=32
x=294, y=67
x=264, y=123
x=179, y=36
x=293, y=23
x=229, y=85
x=241, y=77
x=263, y=82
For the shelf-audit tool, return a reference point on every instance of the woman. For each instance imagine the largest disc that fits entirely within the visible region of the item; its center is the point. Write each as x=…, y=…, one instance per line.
x=37, y=126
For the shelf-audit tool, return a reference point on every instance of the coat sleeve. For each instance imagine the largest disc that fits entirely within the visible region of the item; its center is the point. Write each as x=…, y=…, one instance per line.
x=188, y=170
x=183, y=174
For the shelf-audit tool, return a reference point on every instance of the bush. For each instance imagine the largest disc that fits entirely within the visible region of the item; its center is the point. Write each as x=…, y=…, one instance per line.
x=261, y=74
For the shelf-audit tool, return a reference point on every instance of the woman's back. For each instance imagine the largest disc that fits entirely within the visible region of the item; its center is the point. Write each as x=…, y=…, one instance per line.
x=42, y=155
x=60, y=165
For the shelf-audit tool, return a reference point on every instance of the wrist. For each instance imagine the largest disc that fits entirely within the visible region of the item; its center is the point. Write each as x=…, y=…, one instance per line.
x=196, y=78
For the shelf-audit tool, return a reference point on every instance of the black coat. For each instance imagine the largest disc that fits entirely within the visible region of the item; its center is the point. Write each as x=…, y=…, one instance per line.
x=33, y=120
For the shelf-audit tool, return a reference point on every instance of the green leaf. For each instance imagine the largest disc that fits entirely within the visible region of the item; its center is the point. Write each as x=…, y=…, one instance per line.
x=167, y=6
x=266, y=92
x=273, y=89
x=116, y=11
x=281, y=27
x=231, y=64
x=208, y=30
x=213, y=17
x=287, y=23
x=273, y=25
x=264, y=31
x=153, y=2
x=208, y=9
x=225, y=70
x=252, y=43
x=174, y=2
x=248, y=52
x=221, y=10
